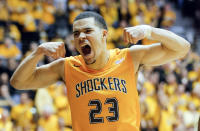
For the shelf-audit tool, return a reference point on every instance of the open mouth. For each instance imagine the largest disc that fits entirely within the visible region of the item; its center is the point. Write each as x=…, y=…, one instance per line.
x=86, y=49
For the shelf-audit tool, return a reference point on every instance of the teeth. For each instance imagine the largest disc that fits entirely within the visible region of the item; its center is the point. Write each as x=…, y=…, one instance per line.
x=83, y=45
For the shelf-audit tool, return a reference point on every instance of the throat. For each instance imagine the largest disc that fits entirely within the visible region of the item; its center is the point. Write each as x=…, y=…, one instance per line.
x=100, y=61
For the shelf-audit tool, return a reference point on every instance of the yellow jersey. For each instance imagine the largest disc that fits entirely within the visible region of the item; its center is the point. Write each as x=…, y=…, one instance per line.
x=104, y=99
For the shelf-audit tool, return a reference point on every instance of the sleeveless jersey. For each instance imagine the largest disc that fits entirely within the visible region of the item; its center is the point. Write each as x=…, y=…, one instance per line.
x=105, y=99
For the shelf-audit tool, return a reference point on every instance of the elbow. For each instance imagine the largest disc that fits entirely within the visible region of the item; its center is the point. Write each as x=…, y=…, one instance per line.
x=16, y=84
x=187, y=48
x=22, y=85
x=184, y=49
x=12, y=82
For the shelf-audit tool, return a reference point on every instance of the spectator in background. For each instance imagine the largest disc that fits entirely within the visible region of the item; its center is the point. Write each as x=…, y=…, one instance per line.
x=54, y=97
x=9, y=50
x=123, y=11
x=21, y=114
x=3, y=66
x=75, y=7
x=190, y=117
x=11, y=66
x=62, y=105
x=161, y=15
x=169, y=17
x=48, y=120
x=5, y=121
x=148, y=101
x=62, y=126
x=61, y=5
x=42, y=99
x=5, y=97
x=33, y=45
x=4, y=78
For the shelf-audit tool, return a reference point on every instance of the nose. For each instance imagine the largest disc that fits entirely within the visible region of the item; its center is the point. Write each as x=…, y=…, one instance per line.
x=82, y=35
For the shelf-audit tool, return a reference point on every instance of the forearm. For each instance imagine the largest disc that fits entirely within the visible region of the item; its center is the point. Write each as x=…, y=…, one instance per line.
x=170, y=40
x=26, y=69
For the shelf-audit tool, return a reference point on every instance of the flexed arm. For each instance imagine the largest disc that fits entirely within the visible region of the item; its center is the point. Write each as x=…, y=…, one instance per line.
x=29, y=76
x=171, y=46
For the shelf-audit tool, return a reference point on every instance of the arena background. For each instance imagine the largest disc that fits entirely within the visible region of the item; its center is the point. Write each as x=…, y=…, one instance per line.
x=169, y=94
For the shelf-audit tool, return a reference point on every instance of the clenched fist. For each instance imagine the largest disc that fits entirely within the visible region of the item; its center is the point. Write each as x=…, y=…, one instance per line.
x=53, y=49
x=136, y=33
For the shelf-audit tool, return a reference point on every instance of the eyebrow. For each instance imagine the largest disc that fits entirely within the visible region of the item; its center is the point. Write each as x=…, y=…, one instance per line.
x=88, y=28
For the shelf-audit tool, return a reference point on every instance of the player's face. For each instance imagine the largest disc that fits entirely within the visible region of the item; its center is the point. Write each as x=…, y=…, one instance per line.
x=88, y=38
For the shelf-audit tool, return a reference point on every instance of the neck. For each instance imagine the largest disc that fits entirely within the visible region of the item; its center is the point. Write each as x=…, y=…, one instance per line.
x=101, y=61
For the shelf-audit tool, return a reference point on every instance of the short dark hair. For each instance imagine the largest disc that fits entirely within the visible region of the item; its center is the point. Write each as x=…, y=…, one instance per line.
x=98, y=18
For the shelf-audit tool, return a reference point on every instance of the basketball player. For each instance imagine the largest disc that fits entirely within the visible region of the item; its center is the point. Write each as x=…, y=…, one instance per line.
x=101, y=83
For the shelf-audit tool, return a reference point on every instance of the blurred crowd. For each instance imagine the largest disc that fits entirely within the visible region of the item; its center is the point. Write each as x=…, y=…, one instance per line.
x=169, y=94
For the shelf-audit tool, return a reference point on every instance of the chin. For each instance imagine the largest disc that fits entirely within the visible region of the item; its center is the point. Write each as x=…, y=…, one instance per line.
x=89, y=58
x=90, y=62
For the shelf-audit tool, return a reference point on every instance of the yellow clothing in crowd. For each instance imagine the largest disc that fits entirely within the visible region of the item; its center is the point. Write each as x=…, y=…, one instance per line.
x=1, y=33
x=63, y=109
x=48, y=14
x=4, y=14
x=170, y=89
x=109, y=14
x=49, y=124
x=22, y=115
x=15, y=33
x=150, y=88
x=42, y=99
x=7, y=126
x=11, y=52
x=169, y=18
x=167, y=121
x=153, y=112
